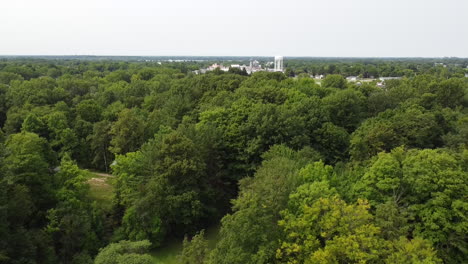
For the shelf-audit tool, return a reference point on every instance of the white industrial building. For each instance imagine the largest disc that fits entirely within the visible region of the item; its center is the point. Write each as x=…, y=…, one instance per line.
x=278, y=64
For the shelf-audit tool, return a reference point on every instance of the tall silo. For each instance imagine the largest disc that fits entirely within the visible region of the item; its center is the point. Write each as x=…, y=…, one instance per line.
x=278, y=63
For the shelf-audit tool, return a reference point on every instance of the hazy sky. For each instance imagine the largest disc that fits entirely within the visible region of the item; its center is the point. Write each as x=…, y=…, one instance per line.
x=352, y=28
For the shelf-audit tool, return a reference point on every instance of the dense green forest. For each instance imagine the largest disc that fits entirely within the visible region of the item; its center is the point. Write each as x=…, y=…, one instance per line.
x=293, y=171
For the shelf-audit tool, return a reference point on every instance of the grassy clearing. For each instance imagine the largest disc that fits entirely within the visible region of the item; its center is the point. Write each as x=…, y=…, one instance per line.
x=168, y=254
x=101, y=189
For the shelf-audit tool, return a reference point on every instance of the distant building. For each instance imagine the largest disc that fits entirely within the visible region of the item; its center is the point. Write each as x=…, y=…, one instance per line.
x=278, y=64
x=352, y=78
x=466, y=75
x=318, y=76
x=217, y=66
x=381, y=84
x=254, y=66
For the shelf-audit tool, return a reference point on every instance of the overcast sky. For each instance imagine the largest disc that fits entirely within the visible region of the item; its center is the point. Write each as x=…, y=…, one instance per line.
x=351, y=28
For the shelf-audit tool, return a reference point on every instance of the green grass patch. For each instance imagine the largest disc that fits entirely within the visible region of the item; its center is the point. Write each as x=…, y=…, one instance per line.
x=167, y=254
x=101, y=189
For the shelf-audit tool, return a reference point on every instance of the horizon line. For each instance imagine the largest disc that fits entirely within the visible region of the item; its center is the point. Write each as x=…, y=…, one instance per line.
x=214, y=56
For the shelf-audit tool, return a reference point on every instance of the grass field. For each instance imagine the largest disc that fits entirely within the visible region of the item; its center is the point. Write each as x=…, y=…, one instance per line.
x=167, y=254
x=100, y=188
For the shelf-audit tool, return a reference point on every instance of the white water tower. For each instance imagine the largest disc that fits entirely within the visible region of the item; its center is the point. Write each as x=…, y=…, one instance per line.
x=278, y=63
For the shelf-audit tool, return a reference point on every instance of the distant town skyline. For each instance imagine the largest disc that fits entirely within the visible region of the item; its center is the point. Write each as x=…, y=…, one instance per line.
x=335, y=28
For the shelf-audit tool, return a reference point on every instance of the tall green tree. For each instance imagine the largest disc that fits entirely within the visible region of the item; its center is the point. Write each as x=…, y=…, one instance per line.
x=27, y=162
x=26, y=191
x=173, y=195
x=346, y=108
x=257, y=208
x=73, y=222
x=334, y=81
x=100, y=141
x=428, y=187
x=128, y=132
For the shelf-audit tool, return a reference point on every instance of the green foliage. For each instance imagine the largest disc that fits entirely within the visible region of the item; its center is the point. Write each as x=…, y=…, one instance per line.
x=25, y=191
x=7, y=77
x=194, y=251
x=27, y=162
x=34, y=124
x=321, y=228
x=187, y=149
x=450, y=92
x=127, y=132
x=332, y=141
x=100, y=140
x=257, y=209
x=73, y=223
x=261, y=118
x=38, y=91
x=172, y=187
x=125, y=252
x=411, y=126
x=458, y=138
x=329, y=231
x=334, y=81
x=89, y=110
x=63, y=139
x=415, y=251
x=346, y=108
x=427, y=187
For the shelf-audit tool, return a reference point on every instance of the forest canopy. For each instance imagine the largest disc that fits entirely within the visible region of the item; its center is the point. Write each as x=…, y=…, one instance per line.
x=291, y=168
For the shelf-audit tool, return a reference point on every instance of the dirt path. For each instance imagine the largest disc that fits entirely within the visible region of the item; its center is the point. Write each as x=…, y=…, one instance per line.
x=103, y=174
x=101, y=180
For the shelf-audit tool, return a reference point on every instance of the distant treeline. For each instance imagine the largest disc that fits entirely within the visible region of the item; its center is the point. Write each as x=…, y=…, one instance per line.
x=363, y=67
